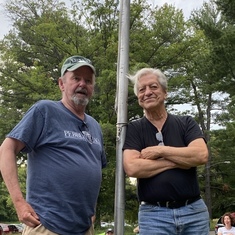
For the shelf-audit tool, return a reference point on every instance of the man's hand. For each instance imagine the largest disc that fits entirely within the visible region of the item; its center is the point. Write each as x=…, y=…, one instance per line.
x=26, y=214
x=155, y=153
x=152, y=153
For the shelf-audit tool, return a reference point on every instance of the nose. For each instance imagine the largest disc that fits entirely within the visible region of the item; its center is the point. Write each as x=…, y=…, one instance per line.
x=82, y=82
x=148, y=90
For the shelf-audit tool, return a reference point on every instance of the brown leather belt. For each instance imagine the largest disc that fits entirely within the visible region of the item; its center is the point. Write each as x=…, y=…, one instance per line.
x=173, y=204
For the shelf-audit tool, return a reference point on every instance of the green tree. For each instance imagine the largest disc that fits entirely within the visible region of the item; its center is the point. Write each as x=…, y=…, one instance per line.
x=227, y=7
x=218, y=74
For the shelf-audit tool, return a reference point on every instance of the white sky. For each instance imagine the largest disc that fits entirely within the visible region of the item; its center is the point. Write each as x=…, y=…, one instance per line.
x=186, y=5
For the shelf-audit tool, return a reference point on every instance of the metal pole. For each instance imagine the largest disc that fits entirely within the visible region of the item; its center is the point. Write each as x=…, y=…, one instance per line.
x=121, y=105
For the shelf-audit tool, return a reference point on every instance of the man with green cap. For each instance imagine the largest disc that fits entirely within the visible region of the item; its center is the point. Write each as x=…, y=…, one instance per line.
x=65, y=157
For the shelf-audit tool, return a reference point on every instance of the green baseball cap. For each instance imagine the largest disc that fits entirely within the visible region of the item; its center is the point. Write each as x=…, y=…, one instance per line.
x=74, y=62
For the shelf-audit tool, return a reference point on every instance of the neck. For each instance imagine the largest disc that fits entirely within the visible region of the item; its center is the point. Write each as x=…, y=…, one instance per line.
x=228, y=226
x=156, y=116
x=78, y=110
x=157, y=119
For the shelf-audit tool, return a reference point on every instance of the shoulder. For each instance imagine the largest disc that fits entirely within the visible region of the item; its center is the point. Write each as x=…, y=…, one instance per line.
x=138, y=122
x=90, y=118
x=180, y=118
x=46, y=103
x=183, y=121
x=92, y=121
x=43, y=108
x=136, y=125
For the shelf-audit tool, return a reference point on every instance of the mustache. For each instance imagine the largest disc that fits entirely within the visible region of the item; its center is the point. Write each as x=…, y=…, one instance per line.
x=81, y=90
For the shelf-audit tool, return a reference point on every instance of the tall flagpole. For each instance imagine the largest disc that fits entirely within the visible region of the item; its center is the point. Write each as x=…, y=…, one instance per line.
x=121, y=107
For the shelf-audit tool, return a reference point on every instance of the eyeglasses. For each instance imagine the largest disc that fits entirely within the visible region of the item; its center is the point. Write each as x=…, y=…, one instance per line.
x=85, y=132
x=159, y=138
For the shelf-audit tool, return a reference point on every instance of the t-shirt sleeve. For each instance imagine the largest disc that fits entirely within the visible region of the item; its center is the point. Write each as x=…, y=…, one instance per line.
x=29, y=128
x=193, y=131
x=133, y=136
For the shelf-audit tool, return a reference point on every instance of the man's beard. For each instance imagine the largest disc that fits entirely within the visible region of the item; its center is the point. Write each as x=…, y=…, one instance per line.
x=80, y=101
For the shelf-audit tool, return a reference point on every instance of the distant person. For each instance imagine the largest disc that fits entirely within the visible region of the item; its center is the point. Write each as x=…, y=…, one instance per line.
x=162, y=151
x=228, y=229
x=109, y=231
x=65, y=158
x=136, y=230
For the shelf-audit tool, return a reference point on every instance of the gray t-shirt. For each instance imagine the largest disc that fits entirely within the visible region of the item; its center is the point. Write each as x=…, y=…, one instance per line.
x=65, y=161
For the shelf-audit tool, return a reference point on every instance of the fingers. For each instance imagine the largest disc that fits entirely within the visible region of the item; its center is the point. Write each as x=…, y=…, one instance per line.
x=30, y=219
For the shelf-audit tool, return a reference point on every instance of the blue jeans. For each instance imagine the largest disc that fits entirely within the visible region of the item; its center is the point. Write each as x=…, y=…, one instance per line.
x=192, y=219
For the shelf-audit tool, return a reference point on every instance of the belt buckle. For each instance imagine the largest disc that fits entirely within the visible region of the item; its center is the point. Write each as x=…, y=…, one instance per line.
x=172, y=204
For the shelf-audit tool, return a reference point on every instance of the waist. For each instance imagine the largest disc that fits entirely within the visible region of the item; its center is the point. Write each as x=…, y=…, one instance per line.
x=173, y=204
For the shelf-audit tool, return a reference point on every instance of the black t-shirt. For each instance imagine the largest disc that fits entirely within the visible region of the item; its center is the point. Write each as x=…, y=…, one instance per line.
x=170, y=185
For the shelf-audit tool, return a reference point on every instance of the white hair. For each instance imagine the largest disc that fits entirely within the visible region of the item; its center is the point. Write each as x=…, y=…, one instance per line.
x=140, y=73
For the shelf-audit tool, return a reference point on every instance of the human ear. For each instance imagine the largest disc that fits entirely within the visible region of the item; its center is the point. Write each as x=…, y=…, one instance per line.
x=61, y=83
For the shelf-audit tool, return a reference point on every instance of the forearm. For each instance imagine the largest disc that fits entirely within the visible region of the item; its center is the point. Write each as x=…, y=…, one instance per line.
x=152, y=168
x=145, y=168
x=10, y=177
x=9, y=170
x=196, y=153
x=188, y=157
x=8, y=151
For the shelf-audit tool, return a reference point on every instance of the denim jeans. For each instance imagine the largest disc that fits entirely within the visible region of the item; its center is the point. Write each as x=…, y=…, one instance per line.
x=192, y=219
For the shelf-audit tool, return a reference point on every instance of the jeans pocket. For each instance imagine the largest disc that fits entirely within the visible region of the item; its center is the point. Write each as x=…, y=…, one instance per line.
x=198, y=206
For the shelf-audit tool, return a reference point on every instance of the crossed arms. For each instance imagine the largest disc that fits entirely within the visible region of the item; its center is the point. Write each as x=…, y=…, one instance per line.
x=156, y=159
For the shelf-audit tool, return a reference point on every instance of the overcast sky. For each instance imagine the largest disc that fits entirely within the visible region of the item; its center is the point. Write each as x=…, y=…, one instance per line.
x=186, y=5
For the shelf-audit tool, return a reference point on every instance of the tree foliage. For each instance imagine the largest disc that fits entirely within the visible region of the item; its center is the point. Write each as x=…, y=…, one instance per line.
x=219, y=33
x=227, y=8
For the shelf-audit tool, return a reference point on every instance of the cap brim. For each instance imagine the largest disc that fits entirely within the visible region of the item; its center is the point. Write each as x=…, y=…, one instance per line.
x=80, y=64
